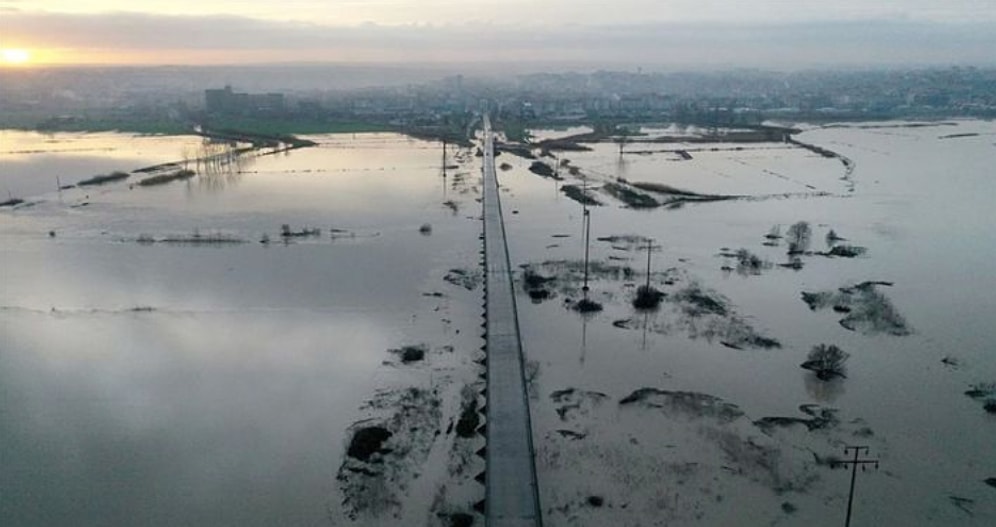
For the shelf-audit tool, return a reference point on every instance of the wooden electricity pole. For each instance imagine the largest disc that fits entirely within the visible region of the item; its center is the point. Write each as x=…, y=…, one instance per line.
x=854, y=463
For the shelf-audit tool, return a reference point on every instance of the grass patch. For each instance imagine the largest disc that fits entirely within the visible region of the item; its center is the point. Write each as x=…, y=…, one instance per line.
x=104, y=179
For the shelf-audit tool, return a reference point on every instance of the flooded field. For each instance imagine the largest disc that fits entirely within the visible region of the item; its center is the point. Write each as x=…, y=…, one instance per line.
x=175, y=355
x=291, y=339
x=698, y=412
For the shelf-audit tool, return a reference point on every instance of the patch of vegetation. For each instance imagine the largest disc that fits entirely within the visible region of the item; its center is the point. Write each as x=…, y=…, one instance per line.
x=163, y=179
x=300, y=125
x=195, y=238
x=286, y=232
x=576, y=193
x=104, y=179
x=697, y=302
x=867, y=309
x=647, y=298
x=985, y=391
x=630, y=197
x=749, y=263
x=827, y=361
x=586, y=305
x=542, y=169
x=846, y=251
x=409, y=354
x=11, y=202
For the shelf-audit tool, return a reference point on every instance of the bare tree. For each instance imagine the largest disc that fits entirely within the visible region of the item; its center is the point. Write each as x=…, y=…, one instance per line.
x=799, y=236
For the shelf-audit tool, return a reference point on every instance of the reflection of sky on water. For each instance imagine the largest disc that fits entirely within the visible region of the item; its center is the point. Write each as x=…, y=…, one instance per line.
x=184, y=385
x=166, y=419
x=30, y=162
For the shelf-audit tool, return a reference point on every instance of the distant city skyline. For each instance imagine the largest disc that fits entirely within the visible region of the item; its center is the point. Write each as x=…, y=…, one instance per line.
x=679, y=33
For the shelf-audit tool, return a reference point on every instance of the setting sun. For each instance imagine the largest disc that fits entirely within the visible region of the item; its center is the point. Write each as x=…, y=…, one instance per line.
x=14, y=56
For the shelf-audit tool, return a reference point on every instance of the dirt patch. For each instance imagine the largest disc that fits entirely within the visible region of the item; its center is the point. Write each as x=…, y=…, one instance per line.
x=572, y=402
x=388, y=450
x=470, y=419
x=690, y=404
x=467, y=279
x=368, y=441
x=868, y=310
x=818, y=418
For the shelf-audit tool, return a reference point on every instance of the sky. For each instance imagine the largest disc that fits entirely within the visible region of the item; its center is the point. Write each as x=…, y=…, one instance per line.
x=650, y=33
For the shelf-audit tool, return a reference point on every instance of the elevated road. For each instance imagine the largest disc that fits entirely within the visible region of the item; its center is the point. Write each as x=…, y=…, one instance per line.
x=511, y=496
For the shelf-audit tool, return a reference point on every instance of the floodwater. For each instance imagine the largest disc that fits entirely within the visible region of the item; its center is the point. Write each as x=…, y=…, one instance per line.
x=152, y=378
x=919, y=206
x=168, y=383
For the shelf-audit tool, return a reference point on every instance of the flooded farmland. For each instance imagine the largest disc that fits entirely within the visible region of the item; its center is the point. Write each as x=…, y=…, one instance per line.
x=291, y=338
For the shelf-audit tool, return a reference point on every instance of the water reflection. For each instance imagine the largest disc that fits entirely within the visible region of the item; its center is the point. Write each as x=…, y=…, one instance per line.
x=166, y=419
x=823, y=391
x=170, y=384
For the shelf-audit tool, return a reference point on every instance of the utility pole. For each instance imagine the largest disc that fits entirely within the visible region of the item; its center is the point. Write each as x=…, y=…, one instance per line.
x=857, y=460
x=586, y=229
x=587, y=242
x=650, y=249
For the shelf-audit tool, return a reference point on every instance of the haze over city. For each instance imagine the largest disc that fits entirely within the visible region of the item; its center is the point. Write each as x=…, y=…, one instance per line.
x=648, y=33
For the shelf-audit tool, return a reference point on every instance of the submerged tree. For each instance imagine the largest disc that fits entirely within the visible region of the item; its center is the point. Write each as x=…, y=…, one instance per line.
x=798, y=236
x=827, y=361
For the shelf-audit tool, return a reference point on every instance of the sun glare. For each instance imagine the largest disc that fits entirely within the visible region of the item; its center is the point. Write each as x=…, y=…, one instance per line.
x=15, y=56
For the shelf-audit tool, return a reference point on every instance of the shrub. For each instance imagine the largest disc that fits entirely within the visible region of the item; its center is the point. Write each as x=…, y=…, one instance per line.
x=827, y=361
x=647, y=297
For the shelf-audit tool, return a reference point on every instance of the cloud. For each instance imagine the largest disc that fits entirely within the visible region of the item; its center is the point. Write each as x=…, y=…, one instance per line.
x=774, y=44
